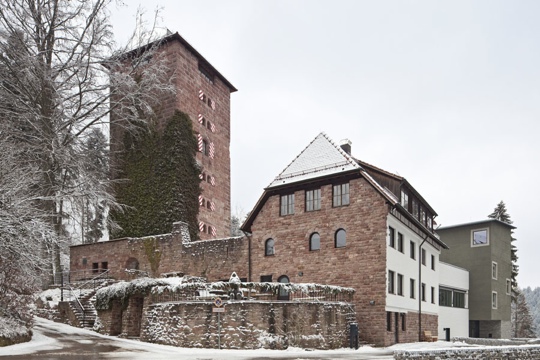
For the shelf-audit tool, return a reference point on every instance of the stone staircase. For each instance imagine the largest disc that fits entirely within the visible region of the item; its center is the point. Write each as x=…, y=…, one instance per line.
x=84, y=310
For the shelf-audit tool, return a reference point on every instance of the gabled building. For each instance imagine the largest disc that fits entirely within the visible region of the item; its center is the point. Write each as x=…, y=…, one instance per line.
x=484, y=249
x=331, y=218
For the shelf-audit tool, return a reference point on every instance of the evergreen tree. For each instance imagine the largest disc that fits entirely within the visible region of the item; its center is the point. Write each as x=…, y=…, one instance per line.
x=500, y=213
x=522, y=321
x=162, y=180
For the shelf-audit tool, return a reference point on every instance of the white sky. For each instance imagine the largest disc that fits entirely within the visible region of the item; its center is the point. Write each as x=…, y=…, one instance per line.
x=443, y=93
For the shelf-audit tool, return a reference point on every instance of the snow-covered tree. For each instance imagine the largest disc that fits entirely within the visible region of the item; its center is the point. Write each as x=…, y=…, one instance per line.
x=500, y=213
x=61, y=78
x=522, y=321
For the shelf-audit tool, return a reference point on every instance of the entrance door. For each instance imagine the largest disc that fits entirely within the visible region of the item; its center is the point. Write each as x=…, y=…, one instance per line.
x=283, y=293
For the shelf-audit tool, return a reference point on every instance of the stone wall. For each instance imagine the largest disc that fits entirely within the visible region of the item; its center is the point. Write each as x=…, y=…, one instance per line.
x=361, y=264
x=158, y=255
x=249, y=325
x=521, y=352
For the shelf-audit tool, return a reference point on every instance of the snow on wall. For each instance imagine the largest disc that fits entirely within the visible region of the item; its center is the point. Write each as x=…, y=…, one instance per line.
x=492, y=353
x=249, y=325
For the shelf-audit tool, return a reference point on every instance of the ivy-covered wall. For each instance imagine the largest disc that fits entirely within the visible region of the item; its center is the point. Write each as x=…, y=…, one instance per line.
x=161, y=180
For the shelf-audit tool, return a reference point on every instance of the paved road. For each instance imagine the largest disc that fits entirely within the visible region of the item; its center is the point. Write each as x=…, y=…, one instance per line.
x=53, y=341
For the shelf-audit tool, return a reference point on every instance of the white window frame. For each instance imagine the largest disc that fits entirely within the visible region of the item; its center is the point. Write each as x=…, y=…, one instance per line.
x=472, y=237
x=494, y=270
x=494, y=300
x=391, y=282
x=508, y=287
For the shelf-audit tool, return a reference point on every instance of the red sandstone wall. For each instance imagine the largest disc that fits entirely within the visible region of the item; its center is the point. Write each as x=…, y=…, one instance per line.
x=189, y=81
x=215, y=259
x=360, y=265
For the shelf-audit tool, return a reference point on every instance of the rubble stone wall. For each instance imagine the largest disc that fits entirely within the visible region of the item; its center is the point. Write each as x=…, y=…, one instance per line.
x=521, y=352
x=249, y=325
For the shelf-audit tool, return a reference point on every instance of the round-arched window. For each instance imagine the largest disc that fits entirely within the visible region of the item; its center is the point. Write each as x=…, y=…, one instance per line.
x=283, y=292
x=340, y=238
x=269, y=247
x=314, y=242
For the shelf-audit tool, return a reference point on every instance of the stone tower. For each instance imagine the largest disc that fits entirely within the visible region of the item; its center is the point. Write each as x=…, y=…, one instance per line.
x=204, y=94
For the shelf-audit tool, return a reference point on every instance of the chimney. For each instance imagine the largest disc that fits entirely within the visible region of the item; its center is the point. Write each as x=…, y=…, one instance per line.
x=346, y=145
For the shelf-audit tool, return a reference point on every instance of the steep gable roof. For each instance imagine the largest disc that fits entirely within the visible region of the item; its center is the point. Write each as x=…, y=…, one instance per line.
x=320, y=158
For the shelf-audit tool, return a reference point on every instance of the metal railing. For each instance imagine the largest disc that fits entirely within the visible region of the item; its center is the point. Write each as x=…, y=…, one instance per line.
x=205, y=294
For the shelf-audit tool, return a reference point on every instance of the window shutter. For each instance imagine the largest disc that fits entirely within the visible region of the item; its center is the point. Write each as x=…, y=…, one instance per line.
x=202, y=97
x=200, y=142
x=211, y=153
x=201, y=226
x=201, y=118
x=212, y=127
x=201, y=200
x=213, y=181
x=214, y=232
x=212, y=206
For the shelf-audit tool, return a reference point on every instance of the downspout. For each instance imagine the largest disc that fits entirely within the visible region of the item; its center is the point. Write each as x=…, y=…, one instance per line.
x=420, y=289
x=249, y=254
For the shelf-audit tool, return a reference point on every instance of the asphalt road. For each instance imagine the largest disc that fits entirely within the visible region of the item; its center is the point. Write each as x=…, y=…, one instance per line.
x=61, y=342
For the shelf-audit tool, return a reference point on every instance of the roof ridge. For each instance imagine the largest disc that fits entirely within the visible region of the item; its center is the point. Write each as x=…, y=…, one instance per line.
x=346, y=160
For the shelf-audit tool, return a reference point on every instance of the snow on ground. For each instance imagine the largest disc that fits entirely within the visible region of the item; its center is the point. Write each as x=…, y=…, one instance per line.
x=134, y=349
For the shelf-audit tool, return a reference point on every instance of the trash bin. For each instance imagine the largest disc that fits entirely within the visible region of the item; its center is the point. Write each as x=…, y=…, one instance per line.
x=447, y=334
x=353, y=335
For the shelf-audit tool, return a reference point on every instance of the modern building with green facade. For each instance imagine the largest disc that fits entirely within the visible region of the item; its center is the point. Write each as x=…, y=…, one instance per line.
x=483, y=248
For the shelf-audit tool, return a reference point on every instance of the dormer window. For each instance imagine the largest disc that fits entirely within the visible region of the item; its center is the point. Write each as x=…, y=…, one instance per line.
x=404, y=200
x=415, y=209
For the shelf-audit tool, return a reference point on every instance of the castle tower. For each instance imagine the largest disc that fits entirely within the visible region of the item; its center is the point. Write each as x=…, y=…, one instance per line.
x=204, y=94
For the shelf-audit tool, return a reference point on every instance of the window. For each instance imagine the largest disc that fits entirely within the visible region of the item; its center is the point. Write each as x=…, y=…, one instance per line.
x=494, y=300
x=423, y=292
x=403, y=326
x=314, y=242
x=266, y=278
x=508, y=286
x=432, y=295
x=412, y=289
x=430, y=222
x=413, y=250
x=494, y=270
x=269, y=247
x=422, y=216
x=206, y=72
x=415, y=209
x=341, y=195
x=400, y=284
x=205, y=149
x=388, y=321
x=392, y=237
x=404, y=200
x=445, y=297
x=459, y=299
x=287, y=204
x=391, y=284
x=432, y=262
x=423, y=256
x=400, y=242
x=95, y=268
x=340, y=238
x=313, y=200
x=480, y=237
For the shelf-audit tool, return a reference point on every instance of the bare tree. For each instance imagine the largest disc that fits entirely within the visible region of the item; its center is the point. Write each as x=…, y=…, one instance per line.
x=61, y=79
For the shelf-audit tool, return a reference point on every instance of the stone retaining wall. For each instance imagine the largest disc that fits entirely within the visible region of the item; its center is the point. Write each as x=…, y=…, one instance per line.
x=249, y=325
x=526, y=352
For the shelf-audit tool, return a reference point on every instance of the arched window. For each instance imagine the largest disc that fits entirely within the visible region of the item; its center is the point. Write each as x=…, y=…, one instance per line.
x=340, y=238
x=269, y=247
x=314, y=242
x=283, y=293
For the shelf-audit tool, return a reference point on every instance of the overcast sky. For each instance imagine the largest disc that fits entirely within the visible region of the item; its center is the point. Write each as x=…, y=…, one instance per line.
x=444, y=93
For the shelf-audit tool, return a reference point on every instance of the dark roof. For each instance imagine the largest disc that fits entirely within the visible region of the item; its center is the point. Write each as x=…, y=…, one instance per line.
x=176, y=37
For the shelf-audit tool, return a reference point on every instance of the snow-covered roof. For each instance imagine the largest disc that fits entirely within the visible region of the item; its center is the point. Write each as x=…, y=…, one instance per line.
x=322, y=157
